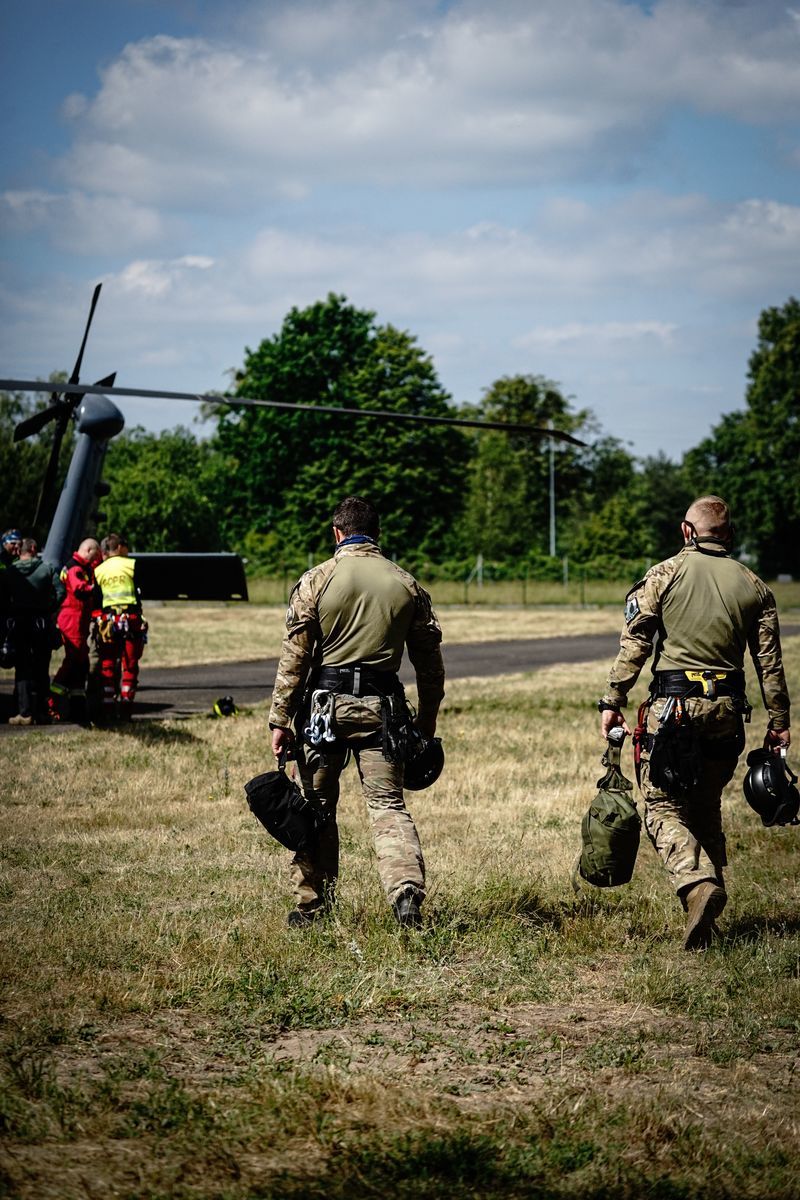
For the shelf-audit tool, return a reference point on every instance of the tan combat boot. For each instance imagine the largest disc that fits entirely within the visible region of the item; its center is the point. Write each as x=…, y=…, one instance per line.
x=704, y=903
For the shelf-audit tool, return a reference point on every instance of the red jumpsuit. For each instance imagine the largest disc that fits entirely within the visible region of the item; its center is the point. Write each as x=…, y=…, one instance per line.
x=73, y=622
x=120, y=651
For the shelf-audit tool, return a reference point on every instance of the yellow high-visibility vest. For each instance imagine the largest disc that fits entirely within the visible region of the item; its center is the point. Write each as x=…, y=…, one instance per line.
x=115, y=577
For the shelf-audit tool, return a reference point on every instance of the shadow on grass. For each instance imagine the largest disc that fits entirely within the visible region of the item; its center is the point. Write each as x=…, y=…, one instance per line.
x=151, y=733
x=754, y=928
x=492, y=901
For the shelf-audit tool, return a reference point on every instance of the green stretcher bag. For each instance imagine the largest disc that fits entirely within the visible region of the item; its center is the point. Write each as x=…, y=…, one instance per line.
x=611, y=829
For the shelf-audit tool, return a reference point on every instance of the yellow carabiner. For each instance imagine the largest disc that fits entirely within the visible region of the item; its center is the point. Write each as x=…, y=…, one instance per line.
x=708, y=680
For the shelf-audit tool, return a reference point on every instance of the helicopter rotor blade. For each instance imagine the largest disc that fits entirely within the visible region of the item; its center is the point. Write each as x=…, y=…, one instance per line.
x=558, y=435
x=76, y=370
x=37, y=421
x=62, y=418
x=33, y=424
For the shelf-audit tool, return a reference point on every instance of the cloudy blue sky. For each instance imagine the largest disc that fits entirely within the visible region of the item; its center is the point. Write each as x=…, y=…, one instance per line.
x=600, y=191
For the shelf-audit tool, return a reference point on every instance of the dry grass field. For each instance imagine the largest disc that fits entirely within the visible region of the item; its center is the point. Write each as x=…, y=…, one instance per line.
x=184, y=634
x=202, y=633
x=275, y=590
x=165, y=1035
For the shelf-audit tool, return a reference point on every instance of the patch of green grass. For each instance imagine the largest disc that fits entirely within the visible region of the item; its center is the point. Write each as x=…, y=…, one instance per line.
x=629, y=1053
x=164, y=1107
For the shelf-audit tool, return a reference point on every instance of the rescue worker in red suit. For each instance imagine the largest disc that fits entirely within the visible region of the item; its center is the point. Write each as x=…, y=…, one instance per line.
x=69, y=681
x=121, y=630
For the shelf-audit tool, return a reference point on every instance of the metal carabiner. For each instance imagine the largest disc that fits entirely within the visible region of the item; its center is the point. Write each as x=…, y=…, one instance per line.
x=319, y=728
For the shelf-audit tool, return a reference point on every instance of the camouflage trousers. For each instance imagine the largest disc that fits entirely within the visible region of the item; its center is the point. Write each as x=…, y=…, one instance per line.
x=400, y=861
x=687, y=831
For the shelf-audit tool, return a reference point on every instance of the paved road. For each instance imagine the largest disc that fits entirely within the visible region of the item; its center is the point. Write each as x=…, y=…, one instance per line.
x=181, y=691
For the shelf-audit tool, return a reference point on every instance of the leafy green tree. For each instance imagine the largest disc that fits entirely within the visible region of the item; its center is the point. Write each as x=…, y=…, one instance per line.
x=496, y=500
x=23, y=464
x=507, y=509
x=752, y=456
x=287, y=469
x=618, y=529
x=608, y=505
x=166, y=490
x=599, y=511
x=666, y=492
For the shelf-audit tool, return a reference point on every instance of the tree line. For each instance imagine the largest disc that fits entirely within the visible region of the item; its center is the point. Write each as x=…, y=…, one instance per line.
x=263, y=482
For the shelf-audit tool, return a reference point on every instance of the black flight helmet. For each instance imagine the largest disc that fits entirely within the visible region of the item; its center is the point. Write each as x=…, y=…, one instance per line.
x=769, y=788
x=424, y=762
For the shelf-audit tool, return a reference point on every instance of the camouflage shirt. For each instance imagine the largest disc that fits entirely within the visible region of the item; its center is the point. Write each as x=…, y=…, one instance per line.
x=357, y=607
x=703, y=611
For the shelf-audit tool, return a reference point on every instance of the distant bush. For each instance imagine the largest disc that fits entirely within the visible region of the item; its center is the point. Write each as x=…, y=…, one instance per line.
x=537, y=568
x=268, y=558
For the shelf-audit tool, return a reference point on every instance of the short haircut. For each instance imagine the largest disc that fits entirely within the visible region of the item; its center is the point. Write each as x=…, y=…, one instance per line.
x=29, y=546
x=112, y=543
x=710, y=515
x=354, y=515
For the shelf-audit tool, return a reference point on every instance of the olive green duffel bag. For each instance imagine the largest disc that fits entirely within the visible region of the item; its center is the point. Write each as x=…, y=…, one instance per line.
x=611, y=828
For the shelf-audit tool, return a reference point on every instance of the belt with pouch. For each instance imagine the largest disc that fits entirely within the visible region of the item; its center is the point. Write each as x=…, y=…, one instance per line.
x=708, y=684
x=357, y=679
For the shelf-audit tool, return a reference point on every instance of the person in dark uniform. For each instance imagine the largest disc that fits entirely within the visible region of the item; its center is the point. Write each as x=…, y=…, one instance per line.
x=10, y=543
x=34, y=594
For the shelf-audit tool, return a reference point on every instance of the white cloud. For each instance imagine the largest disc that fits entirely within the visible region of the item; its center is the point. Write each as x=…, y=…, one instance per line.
x=158, y=279
x=627, y=277
x=646, y=244
x=596, y=335
x=86, y=224
x=355, y=93
x=630, y=279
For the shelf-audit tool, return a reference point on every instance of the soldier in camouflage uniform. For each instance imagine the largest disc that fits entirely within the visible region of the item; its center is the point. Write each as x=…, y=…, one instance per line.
x=705, y=609
x=348, y=622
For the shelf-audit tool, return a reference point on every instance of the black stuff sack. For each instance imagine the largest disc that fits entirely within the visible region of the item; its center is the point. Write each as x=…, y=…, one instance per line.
x=283, y=810
x=611, y=829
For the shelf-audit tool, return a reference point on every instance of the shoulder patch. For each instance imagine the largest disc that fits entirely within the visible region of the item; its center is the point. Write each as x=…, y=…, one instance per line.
x=631, y=608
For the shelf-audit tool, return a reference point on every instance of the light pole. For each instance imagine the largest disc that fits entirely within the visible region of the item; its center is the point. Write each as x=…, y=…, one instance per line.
x=552, y=496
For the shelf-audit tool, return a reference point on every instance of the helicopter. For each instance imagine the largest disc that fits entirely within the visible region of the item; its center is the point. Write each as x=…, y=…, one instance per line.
x=97, y=419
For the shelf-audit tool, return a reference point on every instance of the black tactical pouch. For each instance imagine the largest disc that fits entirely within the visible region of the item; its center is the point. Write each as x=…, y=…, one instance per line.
x=397, y=733
x=727, y=747
x=8, y=645
x=675, y=760
x=283, y=810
